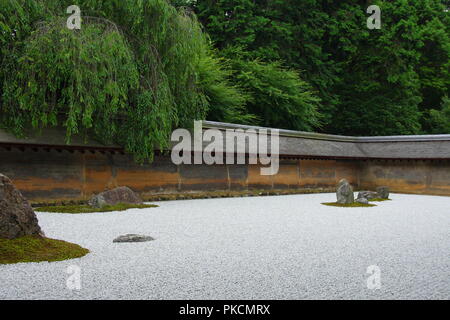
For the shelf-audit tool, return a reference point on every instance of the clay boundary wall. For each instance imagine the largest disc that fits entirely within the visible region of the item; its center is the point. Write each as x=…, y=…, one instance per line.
x=46, y=175
x=407, y=176
x=47, y=170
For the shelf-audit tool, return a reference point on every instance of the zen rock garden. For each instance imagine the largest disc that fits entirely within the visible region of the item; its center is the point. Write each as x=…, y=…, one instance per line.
x=345, y=195
x=21, y=237
x=207, y=242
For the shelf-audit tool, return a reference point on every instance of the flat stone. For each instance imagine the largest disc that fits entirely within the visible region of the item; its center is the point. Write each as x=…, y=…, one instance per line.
x=369, y=195
x=383, y=192
x=133, y=238
x=17, y=218
x=362, y=200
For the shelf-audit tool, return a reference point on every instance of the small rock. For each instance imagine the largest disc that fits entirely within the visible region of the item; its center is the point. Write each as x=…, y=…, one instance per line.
x=344, y=192
x=369, y=195
x=362, y=200
x=133, y=238
x=115, y=196
x=97, y=201
x=383, y=192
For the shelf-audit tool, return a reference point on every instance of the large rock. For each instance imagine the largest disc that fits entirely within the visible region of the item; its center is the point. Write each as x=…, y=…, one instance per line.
x=369, y=195
x=17, y=218
x=383, y=192
x=133, y=238
x=344, y=192
x=115, y=196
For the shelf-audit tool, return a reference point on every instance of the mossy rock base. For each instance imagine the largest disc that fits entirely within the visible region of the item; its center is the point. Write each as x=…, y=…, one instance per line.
x=233, y=194
x=379, y=199
x=89, y=209
x=38, y=249
x=348, y=205
x=198, y=195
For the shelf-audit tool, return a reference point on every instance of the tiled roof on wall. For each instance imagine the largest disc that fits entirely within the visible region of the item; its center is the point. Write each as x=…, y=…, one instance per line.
x=292, y=143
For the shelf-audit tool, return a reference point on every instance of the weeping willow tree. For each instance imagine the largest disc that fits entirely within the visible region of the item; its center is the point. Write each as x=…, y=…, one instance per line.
x=80, y=78
x=135, y=70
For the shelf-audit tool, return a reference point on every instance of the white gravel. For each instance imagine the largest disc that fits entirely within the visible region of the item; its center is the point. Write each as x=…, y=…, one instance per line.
x=285, y=247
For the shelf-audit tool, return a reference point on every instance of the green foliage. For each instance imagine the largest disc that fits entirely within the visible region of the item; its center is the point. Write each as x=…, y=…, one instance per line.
x=143, y=67
x=287, y=31
x=382, y=87
x=227, y=101
x=89, y=209
x=36, y=249
x=440, y=119
x=16, y=18
x=129, y=76
x=371, y=82
x=434, y=65
x=277, y=95
x=82, y=77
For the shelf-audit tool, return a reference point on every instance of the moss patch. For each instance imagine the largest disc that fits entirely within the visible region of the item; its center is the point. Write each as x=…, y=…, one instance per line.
x=232, y=194
x=89, y=209
x=36, y=249
x=188, y=195
x=379, y=199
x=348, y=205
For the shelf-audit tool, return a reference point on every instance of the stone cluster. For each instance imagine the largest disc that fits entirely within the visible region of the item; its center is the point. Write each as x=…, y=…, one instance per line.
x=344, y=194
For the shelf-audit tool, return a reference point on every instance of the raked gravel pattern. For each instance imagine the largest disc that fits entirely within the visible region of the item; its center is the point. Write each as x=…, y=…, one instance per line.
x=280, y=247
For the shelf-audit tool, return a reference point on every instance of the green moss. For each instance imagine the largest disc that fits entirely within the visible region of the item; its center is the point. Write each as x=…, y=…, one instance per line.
x=89, y=209
x=379, y=199
x=232, y=194
x=36, y=249
x=349, y=205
